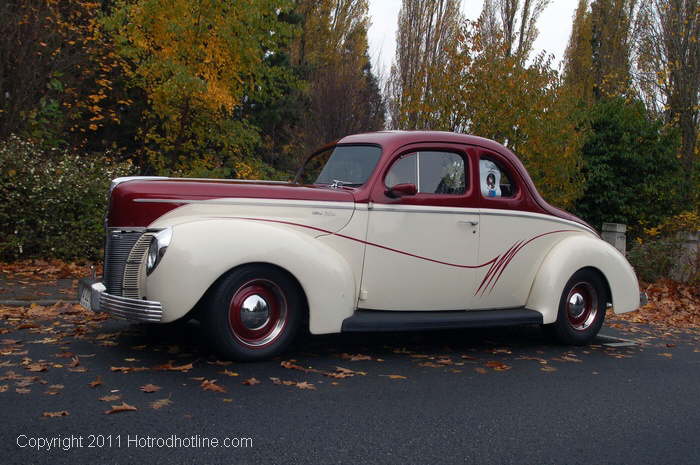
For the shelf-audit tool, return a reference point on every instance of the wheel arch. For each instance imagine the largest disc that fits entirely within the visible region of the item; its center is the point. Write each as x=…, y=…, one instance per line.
x=302, y=293
x=578, y=252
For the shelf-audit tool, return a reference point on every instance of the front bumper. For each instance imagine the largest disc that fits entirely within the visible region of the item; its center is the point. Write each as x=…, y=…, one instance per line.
x=93, y=296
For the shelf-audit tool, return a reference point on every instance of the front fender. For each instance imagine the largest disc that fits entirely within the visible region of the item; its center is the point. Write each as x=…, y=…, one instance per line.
x=202, y=251
x=570, y=255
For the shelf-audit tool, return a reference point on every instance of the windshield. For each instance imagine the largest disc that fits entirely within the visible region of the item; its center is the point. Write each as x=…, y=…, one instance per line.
x=347, y=165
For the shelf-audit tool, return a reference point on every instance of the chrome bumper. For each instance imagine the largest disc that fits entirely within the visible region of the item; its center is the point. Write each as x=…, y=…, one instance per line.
x=93, y=296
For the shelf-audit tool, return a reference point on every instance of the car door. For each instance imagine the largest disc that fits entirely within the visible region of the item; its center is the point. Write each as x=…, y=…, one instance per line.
x=422, y=249
x=514, y=237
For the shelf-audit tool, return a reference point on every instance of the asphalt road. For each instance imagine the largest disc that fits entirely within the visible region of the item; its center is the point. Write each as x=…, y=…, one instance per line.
x=498, y=396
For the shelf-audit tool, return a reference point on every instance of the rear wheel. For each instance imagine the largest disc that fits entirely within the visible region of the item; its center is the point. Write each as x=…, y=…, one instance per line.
x=254, y=313
x=581, y=309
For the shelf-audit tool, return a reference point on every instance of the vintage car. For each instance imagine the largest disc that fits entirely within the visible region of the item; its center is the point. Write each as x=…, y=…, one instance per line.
x=385, y=231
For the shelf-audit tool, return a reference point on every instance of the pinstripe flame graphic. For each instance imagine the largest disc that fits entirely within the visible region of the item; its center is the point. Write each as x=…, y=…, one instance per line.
x=501, y=262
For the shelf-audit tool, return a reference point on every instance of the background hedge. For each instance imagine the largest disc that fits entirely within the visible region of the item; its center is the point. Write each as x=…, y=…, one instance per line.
x=52, y=202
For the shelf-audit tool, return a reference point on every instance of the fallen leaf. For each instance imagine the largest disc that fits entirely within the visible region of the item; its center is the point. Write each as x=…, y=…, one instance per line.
x=210, y=385
x=498, y=366
x=97, y=382
x=62, y=413
x=148, y=388
x=666, y=354
x=228, y=373
x=355, y=357
x=170, y=367
x=160, y=403
x=394, y=376
x=481, y=370
x=305, y=385
x=123, y=407
x=4, y=387
x=251, y=381
x=22, y=390
x=110, y=398
x=36, y=367
x=548, y=368
x=128, y=369
x=430, y=365
x=227, y=399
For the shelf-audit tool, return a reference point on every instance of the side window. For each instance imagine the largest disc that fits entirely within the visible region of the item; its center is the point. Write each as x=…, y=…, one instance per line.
x=494, y=180
x=403, y=171
x=431, y=172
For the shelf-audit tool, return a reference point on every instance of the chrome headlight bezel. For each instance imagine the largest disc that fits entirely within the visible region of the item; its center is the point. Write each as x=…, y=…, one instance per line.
x=159, y=244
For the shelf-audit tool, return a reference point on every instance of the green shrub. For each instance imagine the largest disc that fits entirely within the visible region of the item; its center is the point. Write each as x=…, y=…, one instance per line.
x=632, y=173
x=661, y=252
x=52, y=202
x=656, y=258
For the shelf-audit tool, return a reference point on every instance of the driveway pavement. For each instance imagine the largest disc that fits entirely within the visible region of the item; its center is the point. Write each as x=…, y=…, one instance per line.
x=478, y=396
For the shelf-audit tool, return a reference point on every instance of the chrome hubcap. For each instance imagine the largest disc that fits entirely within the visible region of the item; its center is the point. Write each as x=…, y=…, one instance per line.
x=582, y=306
x=577, y=305
x=255, y=312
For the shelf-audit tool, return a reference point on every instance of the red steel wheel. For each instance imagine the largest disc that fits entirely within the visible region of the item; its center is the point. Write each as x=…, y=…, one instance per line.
x=254, y=312
x=581, y=308
x=257, y=313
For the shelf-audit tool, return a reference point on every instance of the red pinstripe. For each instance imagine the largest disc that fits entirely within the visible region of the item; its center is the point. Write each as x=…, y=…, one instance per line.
x=498, y=264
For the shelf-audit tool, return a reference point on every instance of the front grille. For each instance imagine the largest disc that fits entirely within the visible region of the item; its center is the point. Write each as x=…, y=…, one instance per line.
x=123, y=254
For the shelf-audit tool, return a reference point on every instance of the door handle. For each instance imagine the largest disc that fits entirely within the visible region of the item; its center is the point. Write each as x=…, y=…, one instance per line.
x=469, y=222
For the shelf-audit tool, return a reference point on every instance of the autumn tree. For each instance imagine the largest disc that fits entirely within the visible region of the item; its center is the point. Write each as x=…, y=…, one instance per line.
x=427, y=33
x=668, y=66
x=521, y=102
x=598, y=56
x=485, y=86
x=58, y=75
x=511, y=25
x=197, y=63
x=332, y=50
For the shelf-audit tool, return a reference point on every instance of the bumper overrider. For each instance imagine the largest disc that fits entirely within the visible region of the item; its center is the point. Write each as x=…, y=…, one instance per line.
x=93, y=296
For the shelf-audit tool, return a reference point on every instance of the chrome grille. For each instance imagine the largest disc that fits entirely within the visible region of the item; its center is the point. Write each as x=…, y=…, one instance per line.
x=117, y=253
x=133, y=269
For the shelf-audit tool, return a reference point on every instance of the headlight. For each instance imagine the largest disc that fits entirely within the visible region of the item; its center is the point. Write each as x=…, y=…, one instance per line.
x=159, y=244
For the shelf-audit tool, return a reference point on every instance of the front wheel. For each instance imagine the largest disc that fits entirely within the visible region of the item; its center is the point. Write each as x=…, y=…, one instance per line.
x=581, y=309
x=253, y=313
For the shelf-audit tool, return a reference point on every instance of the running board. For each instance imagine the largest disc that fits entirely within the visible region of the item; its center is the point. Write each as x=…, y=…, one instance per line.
x=387, y=320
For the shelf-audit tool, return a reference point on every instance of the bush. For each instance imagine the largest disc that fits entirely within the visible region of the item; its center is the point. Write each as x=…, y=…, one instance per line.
x=633, y=175
x=661, y=252
x=52, y=202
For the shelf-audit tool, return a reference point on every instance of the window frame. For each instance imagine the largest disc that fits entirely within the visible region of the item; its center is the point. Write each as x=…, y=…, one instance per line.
x=463, y=200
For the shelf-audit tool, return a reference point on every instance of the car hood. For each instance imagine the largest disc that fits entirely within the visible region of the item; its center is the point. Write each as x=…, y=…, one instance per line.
x=142, y=202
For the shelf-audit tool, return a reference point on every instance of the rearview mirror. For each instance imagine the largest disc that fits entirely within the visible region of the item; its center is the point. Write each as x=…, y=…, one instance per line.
x=401, y=190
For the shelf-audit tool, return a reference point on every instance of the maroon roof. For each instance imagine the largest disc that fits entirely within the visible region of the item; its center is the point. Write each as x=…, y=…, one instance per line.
x=391, y=141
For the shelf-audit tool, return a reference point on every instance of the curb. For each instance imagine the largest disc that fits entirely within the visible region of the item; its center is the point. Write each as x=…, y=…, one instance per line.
x=43, y=303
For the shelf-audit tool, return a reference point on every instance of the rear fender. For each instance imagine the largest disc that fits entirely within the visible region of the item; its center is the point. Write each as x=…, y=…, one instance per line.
x=570, y=255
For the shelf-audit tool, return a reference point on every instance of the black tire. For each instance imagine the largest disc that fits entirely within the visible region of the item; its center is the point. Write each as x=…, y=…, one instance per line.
x=246, y=335
x=581, y=309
